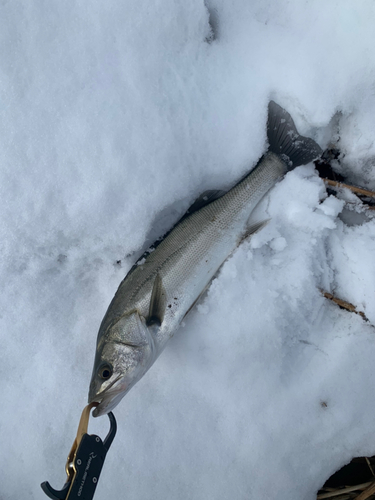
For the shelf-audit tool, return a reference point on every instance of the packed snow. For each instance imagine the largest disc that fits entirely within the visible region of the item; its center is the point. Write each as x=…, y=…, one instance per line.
x=114, y=117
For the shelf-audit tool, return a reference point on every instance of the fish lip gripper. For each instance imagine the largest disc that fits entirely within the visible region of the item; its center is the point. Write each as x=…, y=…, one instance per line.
x=83, y=469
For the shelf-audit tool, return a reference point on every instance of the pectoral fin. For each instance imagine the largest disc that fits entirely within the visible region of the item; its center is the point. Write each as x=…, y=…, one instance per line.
x=157, y=303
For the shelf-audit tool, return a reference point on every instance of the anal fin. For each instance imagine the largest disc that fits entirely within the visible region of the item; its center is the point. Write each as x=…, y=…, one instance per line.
x=253, y=228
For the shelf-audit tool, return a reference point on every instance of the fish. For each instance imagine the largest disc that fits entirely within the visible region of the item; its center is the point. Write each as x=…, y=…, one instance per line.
x=166, y=282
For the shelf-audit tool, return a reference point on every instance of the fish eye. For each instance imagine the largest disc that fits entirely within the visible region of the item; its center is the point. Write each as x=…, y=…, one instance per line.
x=105, y=371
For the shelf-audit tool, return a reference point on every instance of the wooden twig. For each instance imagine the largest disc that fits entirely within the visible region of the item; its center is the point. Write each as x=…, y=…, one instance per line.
x=354, y=189
x=369, y=466
x=369, y=491
x=342, y=491
x=342, y=303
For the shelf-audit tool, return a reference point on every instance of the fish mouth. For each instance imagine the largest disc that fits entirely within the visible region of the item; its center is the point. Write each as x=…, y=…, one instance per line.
x=108, y=398
x=108, y=404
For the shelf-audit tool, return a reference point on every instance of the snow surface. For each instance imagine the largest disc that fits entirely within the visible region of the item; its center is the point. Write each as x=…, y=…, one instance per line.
x=114, y=117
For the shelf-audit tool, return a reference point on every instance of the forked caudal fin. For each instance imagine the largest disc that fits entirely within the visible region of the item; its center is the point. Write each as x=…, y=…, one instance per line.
x=284, y=138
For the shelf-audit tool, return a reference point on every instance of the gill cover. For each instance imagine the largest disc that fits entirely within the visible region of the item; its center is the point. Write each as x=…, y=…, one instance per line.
x=130, y=330
x=124, y=353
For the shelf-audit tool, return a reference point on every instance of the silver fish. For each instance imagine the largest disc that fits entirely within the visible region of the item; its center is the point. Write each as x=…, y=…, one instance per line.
x=164, y=285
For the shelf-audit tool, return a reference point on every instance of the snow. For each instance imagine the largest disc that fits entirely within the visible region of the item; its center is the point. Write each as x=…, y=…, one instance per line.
x=114, y=117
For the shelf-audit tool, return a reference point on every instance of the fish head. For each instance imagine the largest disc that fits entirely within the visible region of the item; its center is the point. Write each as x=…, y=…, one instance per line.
x=123, y=354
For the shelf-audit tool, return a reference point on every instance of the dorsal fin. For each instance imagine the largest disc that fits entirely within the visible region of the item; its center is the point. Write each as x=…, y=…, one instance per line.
x=157, y=303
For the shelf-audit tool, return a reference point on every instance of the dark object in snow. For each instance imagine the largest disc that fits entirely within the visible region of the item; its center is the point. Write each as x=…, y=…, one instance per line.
x=353, y=481
x=336, y=181
x=85, y=462
x=324, y=167
x=343, y=304
x=366, y=197
x=213, y=22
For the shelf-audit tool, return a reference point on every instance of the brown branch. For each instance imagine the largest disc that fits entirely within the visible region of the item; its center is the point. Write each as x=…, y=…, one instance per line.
x=342, y=303
x=369, y=491
x=342, y=491
x=369, y=466
x=354, y=189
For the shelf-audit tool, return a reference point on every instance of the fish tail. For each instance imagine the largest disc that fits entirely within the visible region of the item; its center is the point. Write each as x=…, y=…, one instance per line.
x=284, y=138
